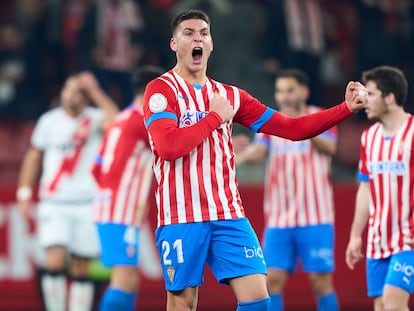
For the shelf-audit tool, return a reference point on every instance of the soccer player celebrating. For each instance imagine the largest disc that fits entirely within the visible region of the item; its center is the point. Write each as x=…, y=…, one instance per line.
x=123, y=172
x=385, y=197
x=298, y=204
x=63, y=145
x=189, y=117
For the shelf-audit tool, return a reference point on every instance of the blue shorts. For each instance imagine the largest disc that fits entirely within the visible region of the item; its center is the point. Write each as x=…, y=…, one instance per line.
x=396, y=270
x=119, y=244
x=313, y=245
x=229, y=247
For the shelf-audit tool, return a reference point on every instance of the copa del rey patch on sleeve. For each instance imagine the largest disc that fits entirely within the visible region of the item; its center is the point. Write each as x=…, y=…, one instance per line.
x=157, y=102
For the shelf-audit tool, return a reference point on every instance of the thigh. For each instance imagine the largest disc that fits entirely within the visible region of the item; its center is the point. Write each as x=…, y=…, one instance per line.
x=235, y=250
x=401, y=271
x=183, y=251
x=119, y=244
x=280, y=249
x=84, y=242
x=54, y=227
x=377, y=270
x=316, y=248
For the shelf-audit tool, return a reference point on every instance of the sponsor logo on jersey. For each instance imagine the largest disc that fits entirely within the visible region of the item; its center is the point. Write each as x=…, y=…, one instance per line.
x=390, y=167
x=192, y=117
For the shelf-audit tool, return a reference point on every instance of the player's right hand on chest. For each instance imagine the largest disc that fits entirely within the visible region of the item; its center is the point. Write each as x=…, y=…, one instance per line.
x=222, y=107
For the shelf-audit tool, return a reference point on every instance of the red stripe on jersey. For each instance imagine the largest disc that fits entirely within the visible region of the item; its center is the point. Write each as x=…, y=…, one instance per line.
x=70, y=161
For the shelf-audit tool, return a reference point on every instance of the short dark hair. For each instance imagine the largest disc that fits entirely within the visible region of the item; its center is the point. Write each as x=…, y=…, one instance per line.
x=186, y=15
x=143, y=75
x=388, y=80
x=299, y=75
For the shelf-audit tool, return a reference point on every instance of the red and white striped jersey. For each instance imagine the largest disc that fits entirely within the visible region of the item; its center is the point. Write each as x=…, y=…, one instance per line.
x=298, y=187
x=387, y=164
x=201, y=185
x=123, y=170
x=69, y=145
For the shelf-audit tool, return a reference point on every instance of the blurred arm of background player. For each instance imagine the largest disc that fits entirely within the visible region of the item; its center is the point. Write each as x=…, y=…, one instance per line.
x=29, y=172
x=361, y=215
x=98, y=97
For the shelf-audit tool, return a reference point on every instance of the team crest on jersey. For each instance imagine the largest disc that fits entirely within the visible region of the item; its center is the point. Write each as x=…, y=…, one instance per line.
x=192, y=117
x=171, y=273
x=157, y=102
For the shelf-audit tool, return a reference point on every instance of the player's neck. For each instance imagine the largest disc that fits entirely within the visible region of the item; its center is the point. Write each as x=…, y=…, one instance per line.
x=392, y=122
x=193, y=77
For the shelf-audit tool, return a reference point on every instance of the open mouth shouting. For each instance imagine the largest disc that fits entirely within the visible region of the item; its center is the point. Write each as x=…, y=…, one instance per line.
x=197, y=54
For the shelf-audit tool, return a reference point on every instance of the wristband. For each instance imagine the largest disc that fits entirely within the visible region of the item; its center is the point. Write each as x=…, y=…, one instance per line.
x=24, y=193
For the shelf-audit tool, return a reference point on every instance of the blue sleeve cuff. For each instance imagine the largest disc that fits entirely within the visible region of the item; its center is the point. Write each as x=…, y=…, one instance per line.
x=262, y=140
x=362, y=177
x=262, y=120
x=329, y=135
x=160, y=115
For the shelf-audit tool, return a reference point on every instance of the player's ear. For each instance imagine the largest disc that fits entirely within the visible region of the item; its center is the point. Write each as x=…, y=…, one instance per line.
x=173, y=44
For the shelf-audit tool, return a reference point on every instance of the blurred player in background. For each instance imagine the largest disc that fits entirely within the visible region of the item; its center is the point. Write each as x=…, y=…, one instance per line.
x=385, y=197
x=63, y=145
x=123, y=172
x=298, y=199
x=201, y=219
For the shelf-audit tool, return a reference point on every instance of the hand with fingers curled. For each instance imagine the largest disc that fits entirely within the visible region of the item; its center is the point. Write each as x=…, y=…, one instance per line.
x=356, y=96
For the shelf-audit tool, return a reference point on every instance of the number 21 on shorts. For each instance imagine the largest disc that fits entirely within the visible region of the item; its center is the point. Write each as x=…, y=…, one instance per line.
x=168, y=257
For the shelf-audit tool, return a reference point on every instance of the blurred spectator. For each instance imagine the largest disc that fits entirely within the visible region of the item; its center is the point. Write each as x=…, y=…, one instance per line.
x=64, y=18
x=158, y=15
x=29, y=17
x=380, y=39
x=11, y=68
x=294, y=37
x=112, y=43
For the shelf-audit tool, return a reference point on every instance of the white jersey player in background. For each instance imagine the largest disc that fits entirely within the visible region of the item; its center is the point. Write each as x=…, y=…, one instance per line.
x=385, y=197
x=298, y=198
x=63, y=146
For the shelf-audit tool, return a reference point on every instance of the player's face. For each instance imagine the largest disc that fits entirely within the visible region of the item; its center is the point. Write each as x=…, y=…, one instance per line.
x=193, y=44
x=375, y=108
x=290, y=95
x=73, y=100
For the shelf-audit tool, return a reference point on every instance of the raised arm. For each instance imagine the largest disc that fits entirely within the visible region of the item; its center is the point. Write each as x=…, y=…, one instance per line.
x=99, y=97
x=309, y=126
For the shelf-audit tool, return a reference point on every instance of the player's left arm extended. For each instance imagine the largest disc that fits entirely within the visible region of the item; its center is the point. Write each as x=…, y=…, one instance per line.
x=260, y=118
x=304, y=127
